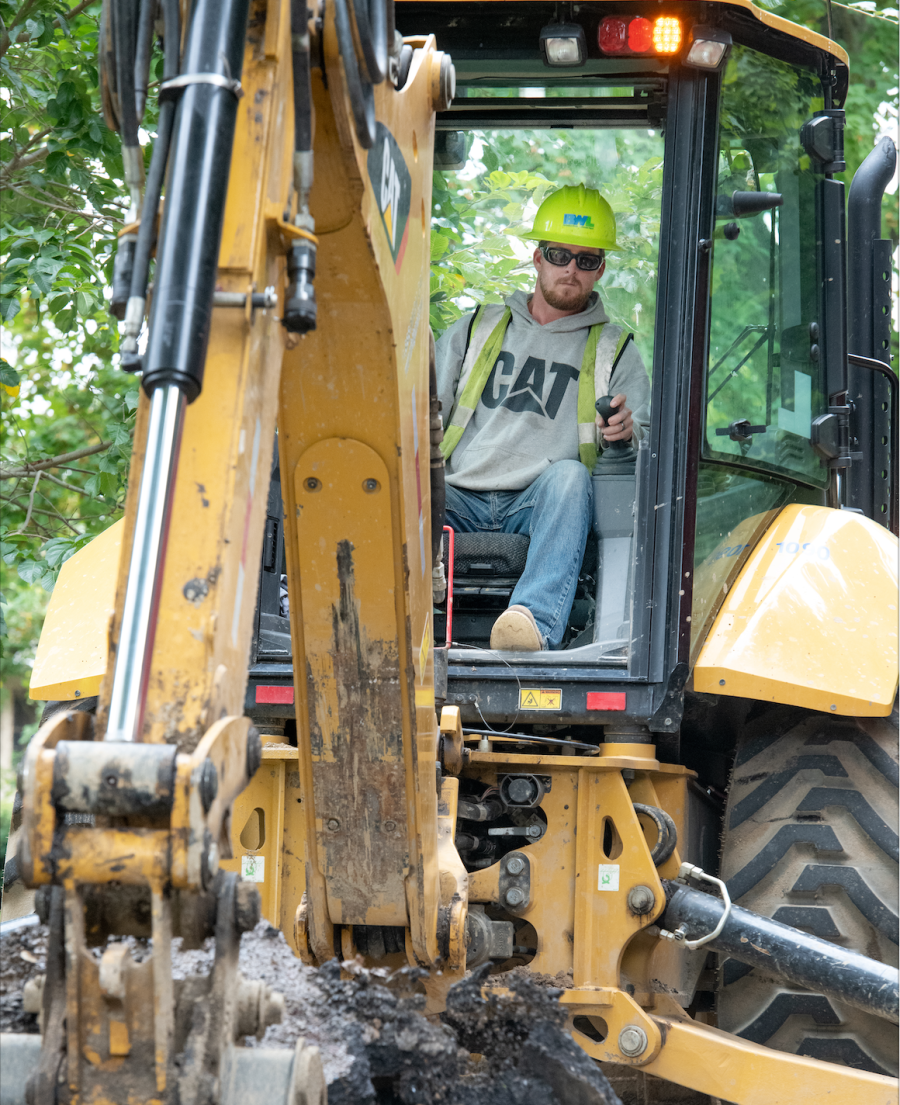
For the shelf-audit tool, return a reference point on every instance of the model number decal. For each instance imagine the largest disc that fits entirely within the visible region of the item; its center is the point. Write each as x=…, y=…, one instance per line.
x=792, y=548
x=732, y=550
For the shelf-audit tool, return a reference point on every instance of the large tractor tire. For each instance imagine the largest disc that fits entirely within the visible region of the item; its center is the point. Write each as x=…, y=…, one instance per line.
x=810, y=839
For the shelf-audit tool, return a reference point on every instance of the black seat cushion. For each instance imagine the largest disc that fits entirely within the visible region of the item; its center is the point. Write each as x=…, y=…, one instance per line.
x=501, y=555
x=490, y=554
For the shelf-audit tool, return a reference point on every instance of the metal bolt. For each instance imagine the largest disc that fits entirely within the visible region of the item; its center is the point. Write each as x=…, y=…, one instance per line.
x=641, y=900
x=389, y=826
x=533, y=830
x=632, y=1040
x=370, y=486
x=332, y=824
x=312, y=484
x=111, y=780
x=209, y=784
x=515, y=865
x=212, y=861
x=514, y=896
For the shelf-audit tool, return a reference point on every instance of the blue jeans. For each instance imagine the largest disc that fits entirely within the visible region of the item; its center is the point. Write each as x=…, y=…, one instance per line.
x=555, y=512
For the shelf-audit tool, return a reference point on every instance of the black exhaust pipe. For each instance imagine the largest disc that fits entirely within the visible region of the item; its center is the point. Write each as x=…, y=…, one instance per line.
x=869, y=326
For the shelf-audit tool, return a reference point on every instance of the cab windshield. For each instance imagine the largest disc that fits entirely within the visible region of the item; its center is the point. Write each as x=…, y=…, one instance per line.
x=489, y=181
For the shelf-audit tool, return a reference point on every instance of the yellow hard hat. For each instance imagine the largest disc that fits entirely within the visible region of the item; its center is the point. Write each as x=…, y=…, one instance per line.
x=575, y=216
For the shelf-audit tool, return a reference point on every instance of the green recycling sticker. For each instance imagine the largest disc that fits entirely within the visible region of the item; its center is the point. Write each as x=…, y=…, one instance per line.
x=253, y=868
x=608, y=877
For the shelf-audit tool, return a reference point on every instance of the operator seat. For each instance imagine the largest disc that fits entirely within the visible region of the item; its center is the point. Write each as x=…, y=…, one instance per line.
x=486, y=569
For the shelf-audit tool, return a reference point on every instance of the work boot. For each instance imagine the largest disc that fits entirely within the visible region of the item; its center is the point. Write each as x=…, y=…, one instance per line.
x=516, y=631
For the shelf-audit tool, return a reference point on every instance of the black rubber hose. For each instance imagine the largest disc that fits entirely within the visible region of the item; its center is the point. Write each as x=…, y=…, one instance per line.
x=125, y=32
x=147, y=230
x=362, y=99
x=665, y=827
x=142, y=55
x=372, y=27
x=798, y=957
x=302, y=88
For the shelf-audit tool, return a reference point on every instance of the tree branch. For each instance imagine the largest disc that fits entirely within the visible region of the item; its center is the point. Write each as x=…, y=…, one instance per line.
x=51, y=514
x=77, y=10
x=23, y=157
x=52, y=462
x=22, y=14
x=25, y=524
x=62, y=483
x=72, y=211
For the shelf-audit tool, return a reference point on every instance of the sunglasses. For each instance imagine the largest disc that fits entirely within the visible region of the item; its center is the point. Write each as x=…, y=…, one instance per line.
x=589, y=262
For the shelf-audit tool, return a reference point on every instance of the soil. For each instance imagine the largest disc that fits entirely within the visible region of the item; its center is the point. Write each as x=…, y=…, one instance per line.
x=493, y=1046
x=22, y=956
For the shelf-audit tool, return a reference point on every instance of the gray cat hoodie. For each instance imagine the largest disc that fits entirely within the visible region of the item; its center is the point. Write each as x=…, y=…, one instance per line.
x=526, y=418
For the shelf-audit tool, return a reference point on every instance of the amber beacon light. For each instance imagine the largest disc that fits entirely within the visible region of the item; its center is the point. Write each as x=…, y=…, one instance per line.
x=627, y=35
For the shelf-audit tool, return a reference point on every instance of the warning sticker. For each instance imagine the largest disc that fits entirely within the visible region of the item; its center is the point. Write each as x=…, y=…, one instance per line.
x=608, y=876
x=533, y=698
x=253, y=868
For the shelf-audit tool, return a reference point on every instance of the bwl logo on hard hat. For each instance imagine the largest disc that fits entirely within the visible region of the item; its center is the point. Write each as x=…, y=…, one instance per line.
x=393, y=187
x=578, y=220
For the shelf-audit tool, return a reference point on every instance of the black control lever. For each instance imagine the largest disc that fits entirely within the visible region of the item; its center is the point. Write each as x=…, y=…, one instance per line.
x=606, y=410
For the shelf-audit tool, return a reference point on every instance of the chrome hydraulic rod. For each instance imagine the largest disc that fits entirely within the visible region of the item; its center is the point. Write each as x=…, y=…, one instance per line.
x=148, y=553
x=795, y=956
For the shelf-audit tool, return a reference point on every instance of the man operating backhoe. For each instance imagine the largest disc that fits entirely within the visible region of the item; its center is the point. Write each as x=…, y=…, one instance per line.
x=518, y=384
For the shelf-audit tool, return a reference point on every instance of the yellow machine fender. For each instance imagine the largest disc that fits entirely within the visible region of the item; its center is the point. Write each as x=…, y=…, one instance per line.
x=73, y=650
x=811, y=619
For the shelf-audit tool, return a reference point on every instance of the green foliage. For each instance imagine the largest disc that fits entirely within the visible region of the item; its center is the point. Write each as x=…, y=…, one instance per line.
x=63, y=202
x=61, y=167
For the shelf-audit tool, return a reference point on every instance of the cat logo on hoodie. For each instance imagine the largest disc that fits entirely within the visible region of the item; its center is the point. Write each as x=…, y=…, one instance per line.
x=393, y=187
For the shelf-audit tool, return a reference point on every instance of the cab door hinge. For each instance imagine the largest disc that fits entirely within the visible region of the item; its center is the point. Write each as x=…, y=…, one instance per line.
x=830, y=433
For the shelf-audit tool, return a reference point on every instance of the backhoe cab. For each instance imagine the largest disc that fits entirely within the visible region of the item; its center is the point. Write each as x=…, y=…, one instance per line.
x=706, y=765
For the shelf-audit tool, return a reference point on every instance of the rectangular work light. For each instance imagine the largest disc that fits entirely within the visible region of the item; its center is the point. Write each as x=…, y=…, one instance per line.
x=709, y=48
x=563, y=44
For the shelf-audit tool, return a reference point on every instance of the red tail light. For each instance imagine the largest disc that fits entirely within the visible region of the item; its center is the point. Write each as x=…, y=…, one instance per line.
x=620, y=35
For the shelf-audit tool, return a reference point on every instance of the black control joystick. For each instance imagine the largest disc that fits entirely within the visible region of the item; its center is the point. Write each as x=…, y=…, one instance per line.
x=615, y=449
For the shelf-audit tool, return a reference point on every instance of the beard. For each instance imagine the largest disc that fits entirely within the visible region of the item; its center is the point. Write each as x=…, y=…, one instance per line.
x=563, y=297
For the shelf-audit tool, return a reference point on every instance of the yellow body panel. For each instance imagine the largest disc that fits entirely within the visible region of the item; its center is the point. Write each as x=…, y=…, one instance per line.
x=812, y=618
x=74, y=646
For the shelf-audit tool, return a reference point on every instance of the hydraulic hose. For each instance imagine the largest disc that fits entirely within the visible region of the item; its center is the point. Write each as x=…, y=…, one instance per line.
x=795, y=956
x=372, y=27
x=140, y=268
x=299, y=313
x=362, y=98
x=142, y=52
